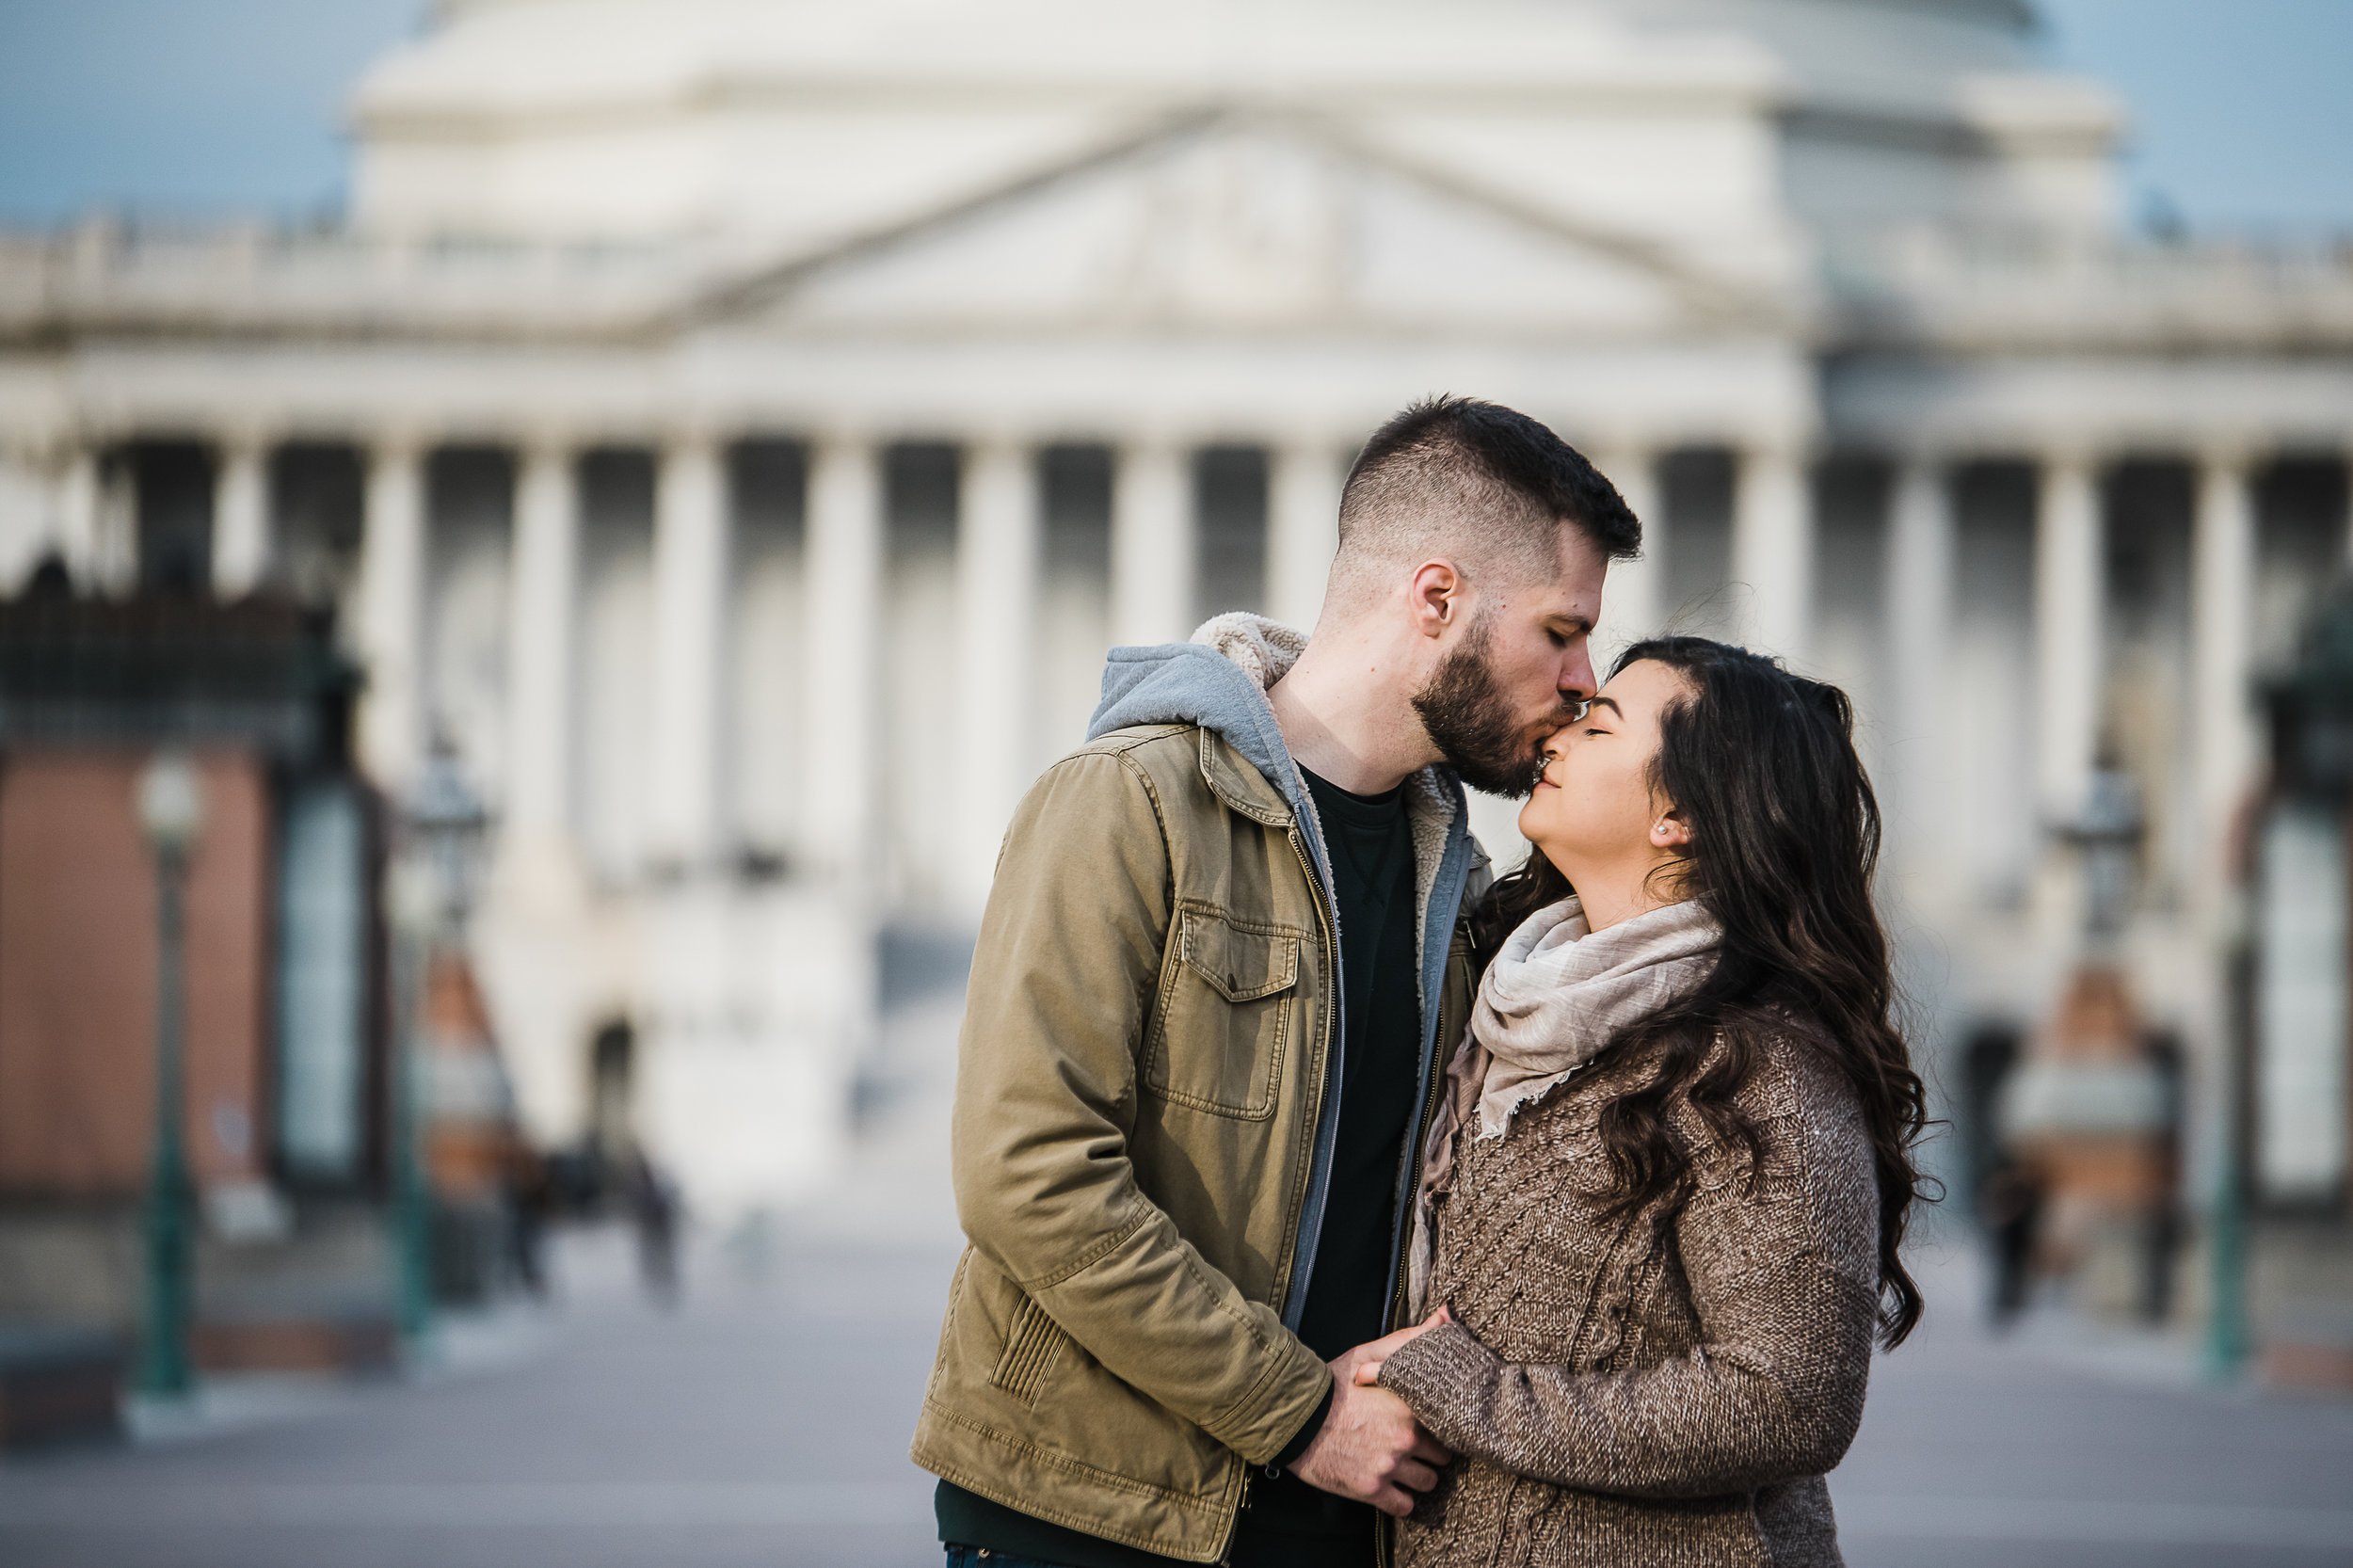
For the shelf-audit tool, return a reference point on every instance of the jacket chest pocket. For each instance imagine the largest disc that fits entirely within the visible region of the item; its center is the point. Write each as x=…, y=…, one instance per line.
x=1230, y=1009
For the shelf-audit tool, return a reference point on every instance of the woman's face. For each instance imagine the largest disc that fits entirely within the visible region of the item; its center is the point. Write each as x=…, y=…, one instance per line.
x=1593, y=806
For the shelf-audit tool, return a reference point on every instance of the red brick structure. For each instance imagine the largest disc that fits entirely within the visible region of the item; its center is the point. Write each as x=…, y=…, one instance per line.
x=78, y=974
x=286, y=1022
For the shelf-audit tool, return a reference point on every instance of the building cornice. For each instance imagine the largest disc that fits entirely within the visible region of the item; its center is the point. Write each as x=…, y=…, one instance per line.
x=1954, y=292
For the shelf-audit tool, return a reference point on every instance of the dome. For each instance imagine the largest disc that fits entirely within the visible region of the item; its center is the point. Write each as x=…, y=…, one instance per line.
x=796, y=117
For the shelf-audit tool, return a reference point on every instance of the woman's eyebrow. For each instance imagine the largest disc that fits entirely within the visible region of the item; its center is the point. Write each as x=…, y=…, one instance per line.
x=1610, y=703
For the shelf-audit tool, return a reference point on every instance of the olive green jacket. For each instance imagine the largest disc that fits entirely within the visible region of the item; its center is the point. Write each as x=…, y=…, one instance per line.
x=1144, y=1111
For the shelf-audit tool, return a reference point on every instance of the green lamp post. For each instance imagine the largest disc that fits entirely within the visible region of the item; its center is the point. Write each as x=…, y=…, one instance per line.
x=170, y=814
x=443, y=828
x=410, y=1210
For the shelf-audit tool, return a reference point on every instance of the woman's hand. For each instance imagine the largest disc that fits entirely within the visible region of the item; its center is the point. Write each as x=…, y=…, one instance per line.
x=1373, y=1352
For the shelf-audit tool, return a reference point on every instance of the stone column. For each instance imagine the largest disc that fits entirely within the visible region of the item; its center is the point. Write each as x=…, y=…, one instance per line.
x=1772, y=546
x=115, y=528
x=841, y=577
x=1918, y=607
x=1633, y=599
x=1152, y=545
x=24, y=528
x=390, y=620
x=997, y=570
x=542, y=609
x=28, y=511
x=689, y=596
x=2069, y=604
x=2222, y=656
x=241, y=521
x=74, y=514
x=1303, y=485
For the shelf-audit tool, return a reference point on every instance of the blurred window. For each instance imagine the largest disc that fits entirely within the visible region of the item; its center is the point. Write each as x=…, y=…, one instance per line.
x=2300, y=1007
x=322, y=984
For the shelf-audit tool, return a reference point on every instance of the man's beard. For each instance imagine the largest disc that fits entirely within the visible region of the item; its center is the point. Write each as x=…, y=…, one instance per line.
x=1471, y=723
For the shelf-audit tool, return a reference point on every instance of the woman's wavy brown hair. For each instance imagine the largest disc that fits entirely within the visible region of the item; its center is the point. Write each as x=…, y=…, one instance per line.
x=1784, y=842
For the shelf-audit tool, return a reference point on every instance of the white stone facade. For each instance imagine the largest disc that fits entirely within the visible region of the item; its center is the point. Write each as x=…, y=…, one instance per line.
x=742, y=426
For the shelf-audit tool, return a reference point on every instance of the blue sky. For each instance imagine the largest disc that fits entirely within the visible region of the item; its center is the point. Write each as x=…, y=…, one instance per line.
x=211, y=108
x=193, y=107
x=2243, y=116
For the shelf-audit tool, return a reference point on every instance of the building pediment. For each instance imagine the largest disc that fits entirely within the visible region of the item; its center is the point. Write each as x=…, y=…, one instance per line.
x=1240, y=222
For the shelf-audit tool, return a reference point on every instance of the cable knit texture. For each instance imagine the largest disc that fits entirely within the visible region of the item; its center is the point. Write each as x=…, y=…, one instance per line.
x=1625, y=1394
x=1551, y=1002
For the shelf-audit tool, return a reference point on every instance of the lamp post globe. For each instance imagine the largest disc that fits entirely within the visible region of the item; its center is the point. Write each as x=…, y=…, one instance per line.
x=170, y=802
x=447, y=823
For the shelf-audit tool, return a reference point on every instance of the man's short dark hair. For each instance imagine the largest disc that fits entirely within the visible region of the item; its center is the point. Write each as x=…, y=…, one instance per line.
x=1479, y=483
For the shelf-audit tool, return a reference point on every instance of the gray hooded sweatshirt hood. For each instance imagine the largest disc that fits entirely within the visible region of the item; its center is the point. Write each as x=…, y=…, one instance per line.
x=1219, y=681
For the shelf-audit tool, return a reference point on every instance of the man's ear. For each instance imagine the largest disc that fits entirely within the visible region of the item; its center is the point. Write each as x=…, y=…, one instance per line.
x=1667, y=830
x=1438, y=597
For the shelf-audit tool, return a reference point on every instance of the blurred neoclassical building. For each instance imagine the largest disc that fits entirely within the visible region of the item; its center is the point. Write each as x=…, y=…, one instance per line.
x=740, y=425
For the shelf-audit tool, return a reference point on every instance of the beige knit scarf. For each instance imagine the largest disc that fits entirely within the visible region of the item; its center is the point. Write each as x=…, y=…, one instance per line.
x=1555, y=995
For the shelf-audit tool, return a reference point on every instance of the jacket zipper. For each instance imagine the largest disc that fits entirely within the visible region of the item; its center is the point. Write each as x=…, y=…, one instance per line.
x=1385, y=1528
x=1331, y=1022
x=1421, y=1136
x=1331, y=1018
x=1241, y=1500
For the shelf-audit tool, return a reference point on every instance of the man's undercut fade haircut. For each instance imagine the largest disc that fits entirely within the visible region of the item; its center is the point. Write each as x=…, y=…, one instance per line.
x=1480, y=484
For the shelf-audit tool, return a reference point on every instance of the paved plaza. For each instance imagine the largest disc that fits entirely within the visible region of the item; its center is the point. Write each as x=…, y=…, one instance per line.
x=763, y=1420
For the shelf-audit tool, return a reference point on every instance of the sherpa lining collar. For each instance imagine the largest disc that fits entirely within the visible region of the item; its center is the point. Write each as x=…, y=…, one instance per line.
x=1265, y=650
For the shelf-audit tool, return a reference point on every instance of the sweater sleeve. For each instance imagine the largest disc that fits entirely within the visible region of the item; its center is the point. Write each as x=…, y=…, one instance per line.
x=1773, y=1389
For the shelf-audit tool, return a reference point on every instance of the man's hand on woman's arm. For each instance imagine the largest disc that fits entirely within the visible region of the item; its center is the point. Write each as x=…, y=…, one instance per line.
x=1369, y=1447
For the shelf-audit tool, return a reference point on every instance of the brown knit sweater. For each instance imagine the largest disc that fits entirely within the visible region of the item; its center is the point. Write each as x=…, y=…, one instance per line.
x=1623, y=1401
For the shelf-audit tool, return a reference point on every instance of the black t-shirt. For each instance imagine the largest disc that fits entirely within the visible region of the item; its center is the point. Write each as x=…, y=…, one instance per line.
x=1286, y=1523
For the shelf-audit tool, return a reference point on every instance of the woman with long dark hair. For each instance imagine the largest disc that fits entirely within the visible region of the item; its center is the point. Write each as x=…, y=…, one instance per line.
x=1664, y=1199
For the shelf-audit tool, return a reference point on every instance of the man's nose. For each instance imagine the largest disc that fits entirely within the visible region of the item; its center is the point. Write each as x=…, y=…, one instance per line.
x=1577, y=681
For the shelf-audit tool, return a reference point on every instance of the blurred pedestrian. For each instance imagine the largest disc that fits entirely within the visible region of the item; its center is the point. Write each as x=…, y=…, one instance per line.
x=653, y=1207
x=530, y=1203
x=2010, y=1206
x=2161, y=1240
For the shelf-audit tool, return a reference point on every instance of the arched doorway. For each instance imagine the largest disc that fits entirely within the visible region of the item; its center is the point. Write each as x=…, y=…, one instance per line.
x=611, y=1068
